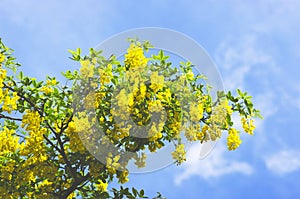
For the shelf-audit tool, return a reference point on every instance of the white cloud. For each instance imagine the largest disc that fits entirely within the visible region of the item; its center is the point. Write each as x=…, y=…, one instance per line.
x=214, y=165
x=240, y=57
x=283, y=162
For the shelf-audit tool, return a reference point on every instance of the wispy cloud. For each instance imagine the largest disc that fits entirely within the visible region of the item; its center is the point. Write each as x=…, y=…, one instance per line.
x=214, y=165
x=283, y=162
x=242, y=57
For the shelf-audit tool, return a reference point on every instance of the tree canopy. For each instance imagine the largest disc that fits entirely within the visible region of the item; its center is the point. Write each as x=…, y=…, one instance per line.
x=71, y=139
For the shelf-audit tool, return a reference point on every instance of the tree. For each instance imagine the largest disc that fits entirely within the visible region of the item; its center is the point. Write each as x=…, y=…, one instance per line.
x=67, y=140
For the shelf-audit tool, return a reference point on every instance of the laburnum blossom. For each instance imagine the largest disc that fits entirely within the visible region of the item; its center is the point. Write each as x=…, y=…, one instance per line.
x=248, y=125
x=233, y=139
x=179, y=154
x=135, y=57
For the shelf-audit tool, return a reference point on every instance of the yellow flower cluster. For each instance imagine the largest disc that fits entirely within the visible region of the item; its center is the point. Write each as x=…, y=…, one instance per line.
x=192, y=132
x=157, y=81
x=155, y=131
x=135, y=57
x=72, y=195
x=189, y=75
x=218, y=120
x=80, y=124
x=90, y=101
x=33, y=150
x=2, y=57
x=44, y=185
x=248, y=125
x=123, y=176
x=51, y=82
x=112, y=163
x=203, y=134
x=9, y=142
x=7, y=170
x=153, y=146
x=122, y=131
x=105, y=74
x=139, y=93
x=121, y=109
x=35, y=145
x=87, y=68
x=179, y=154
x=101, y=186
x=196, y=111
x=164, y=96
x=10, y=102
x=2, y=76
x=46, y=89
x=155, y=106
x=122, y=102
x=9, y=99
x=233, y=139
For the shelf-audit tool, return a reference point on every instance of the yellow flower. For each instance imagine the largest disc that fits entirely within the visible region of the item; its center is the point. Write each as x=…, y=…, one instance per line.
x=112, y=163
x=71, y=128
x=142, y=92
x=122, y=100
x=154, y=133
x=203, y=135
x=179, y=154
x=82, y=122
x=90, y=101
x=157, y=81
x=155, y=106
x=233, y=139
x=51, y=82
x=248, y=125
x=9, y=142
x=196, y=111
x=190, y=75
x=153, y=146
x=72, y=195
x=123, y=176
x=191, y=132
x=47, y=90
x=2, y=58
x=87, y=69
x=219, y=114
x=130, y=99
x=9, y=103
x=35, y=145
x=105, y=74
x=135, y=57
x=2, y=76
x=227, y=107
x=101, y=186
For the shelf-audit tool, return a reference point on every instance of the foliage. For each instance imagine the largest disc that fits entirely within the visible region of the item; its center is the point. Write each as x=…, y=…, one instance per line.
x=67, y=140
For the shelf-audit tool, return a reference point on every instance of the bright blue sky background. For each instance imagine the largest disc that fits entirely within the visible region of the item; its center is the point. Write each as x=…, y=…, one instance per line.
x=256, y=46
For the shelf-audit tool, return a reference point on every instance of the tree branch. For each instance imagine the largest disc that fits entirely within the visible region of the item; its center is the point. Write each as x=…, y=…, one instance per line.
x=51, y=143
x=78, y=181
x=10, y=118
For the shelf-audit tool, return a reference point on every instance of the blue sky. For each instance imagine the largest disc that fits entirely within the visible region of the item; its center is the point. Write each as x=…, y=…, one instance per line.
x=256, y=46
